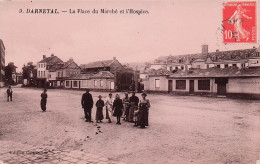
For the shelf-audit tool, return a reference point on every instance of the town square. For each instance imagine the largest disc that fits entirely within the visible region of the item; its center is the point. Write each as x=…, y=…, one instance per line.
x=192, y=130
x=111, y=82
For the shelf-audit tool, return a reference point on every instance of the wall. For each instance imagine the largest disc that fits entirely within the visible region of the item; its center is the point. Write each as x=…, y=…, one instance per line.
x=149, y=85
x=90, y=84
x=244, y=85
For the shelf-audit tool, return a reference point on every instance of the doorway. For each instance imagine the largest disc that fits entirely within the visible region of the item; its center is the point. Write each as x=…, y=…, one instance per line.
x=170, y=86
x=191, y=91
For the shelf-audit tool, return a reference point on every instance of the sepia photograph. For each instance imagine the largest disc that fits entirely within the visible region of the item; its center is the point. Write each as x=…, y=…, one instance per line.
x=129, y=82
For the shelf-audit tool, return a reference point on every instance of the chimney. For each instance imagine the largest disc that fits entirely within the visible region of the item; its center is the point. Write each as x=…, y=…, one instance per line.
x=217, y=50
x=205, y=49
x=44, y=56
x=114, y=58
x=52, y=55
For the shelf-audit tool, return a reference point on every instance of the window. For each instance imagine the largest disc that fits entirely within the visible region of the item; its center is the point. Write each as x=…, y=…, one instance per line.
x=44, y=65
x=181, y=84
x=50, y=76
x=95, y=83
x=75, y=83
x=67, y=83
x=182, y=67
x=61, y=74
x=101, y=83
x=234, y=65
x=198, y=66
x=58, y=74
x=44, y=73
x=226, y=65
x=39, y=73
x=218, y=66
x=203, y=84
x=157, y=83
x=176, y=68
x=207, y=66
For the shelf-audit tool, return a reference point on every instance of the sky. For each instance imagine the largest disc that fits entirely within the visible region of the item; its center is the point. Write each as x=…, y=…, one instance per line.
x=175, y=27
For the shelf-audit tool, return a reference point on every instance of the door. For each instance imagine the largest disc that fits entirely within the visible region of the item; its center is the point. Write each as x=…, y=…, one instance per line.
x=221, y=89
x=169, y=86
x=191, y=87
x=221, y=85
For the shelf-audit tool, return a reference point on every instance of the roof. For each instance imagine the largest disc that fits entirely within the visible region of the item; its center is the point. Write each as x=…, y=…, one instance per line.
x=51, y=59
x=217, y=72
x=79, y=77
x=159, y=72
x=104, y=63
x=215, y=56
x=103, y=74
x=100, y=75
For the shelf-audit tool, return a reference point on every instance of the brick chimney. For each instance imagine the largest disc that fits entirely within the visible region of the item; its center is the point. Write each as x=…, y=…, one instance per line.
x=205, y=49
x=52, y=55
x=44, y=56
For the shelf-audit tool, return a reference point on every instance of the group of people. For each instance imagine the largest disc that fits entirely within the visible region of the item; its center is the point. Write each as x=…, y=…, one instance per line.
x=130, y=108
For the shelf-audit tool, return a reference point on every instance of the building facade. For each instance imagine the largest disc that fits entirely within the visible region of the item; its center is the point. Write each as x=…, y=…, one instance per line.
x=230, y=73
x=43, y=70
x=2, y=64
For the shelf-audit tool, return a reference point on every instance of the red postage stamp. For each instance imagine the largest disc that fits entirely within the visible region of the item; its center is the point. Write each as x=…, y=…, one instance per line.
x=239, y=22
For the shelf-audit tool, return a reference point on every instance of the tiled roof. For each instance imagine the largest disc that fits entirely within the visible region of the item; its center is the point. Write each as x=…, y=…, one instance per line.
x=79, y=77
x=217, y=72
x=215, y=56
x=159, y=72
x=101, y=74
x=104, y=63
x=50, y=60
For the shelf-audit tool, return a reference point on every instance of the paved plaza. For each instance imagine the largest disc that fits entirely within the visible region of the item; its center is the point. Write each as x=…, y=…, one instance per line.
x=183, y=129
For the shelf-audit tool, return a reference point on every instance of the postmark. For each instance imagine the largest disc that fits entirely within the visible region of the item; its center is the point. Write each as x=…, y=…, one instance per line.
x=239, y=22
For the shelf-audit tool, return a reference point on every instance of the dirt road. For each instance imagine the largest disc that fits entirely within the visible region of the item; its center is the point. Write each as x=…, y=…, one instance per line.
x=183, y=129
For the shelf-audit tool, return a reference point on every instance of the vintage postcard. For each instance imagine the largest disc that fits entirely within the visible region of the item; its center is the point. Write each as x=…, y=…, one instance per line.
x=127, y=81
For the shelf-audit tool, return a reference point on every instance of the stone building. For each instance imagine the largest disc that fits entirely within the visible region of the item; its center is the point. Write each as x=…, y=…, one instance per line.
x=2, y=64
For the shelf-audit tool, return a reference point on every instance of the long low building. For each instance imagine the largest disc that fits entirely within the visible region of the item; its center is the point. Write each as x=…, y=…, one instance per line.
x=104, y=80
x=230, y=81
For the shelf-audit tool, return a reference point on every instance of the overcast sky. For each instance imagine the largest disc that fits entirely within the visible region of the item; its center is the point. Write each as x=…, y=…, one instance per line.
x=170, y=28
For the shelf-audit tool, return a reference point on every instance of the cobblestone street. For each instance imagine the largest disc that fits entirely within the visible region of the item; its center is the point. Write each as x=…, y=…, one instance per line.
x=183, y=129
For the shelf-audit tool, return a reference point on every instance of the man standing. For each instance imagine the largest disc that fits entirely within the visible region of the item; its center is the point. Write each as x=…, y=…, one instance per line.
x=87, y=104
x=134, y=100
x=9, y=93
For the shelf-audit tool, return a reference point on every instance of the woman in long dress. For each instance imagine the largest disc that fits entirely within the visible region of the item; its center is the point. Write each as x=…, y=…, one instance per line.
x=99, y=114
x=109, y=107
x=237, y=19
x=144, y=106
x=118, y=108
x=44, y=97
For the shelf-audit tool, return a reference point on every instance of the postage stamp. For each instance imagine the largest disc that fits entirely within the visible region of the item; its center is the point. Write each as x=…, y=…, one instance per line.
x=239, y=22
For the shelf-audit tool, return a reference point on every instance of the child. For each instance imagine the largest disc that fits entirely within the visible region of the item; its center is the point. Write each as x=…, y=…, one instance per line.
x=99, y=104
x=136, y=113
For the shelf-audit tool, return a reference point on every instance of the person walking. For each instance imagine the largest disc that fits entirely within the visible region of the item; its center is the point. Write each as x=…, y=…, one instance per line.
x=126, y=102
x=9, y=92
x=134, y=100
x=87, y=105
x=44, y=97
x=144, y=106
x=99, y=104
x=118, y=107
x=109, y=107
